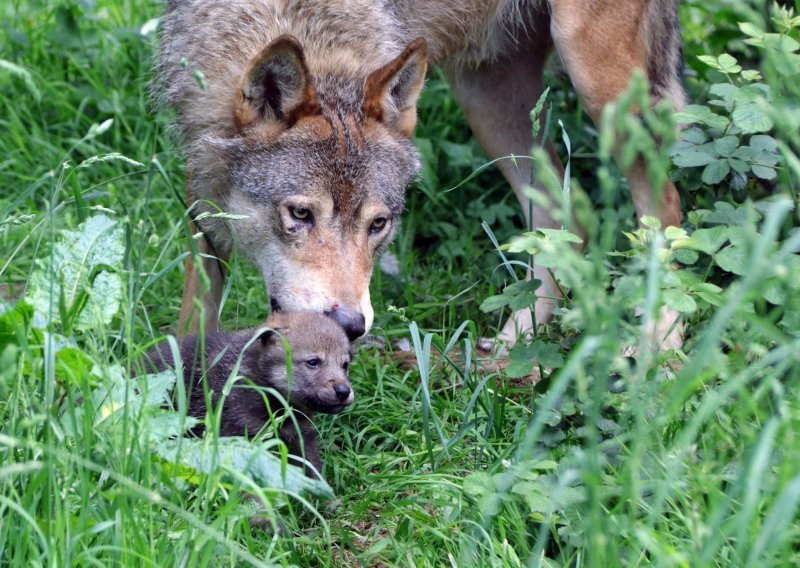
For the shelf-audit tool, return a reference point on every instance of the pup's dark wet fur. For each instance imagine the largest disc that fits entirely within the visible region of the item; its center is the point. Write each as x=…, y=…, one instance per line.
x=320, y=354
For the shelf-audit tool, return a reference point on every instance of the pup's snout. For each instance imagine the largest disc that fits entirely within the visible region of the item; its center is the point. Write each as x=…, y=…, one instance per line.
x=352, y=321
x=342, y=391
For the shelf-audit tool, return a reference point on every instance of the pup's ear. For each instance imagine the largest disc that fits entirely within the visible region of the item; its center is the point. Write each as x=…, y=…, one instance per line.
x=391, y=92
x=269, y=336
x=276, y=87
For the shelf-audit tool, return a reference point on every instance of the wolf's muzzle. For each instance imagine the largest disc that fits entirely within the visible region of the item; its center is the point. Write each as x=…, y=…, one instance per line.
x=352, y=321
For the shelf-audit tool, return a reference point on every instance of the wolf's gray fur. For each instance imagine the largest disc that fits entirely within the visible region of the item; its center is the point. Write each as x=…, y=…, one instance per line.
x=310, y=106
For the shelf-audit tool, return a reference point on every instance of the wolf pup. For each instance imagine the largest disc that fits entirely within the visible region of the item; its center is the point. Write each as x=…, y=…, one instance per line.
x=297, y=115
x=319, y=381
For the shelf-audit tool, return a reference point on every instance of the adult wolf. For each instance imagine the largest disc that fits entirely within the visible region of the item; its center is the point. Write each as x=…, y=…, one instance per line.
x=302, y=118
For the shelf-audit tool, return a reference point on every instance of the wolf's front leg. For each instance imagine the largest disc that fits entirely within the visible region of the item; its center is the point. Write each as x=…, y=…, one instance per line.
x=201, y=301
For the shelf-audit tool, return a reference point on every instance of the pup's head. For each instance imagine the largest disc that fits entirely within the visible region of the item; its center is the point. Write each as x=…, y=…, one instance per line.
x=319, y=164
x=320, y=358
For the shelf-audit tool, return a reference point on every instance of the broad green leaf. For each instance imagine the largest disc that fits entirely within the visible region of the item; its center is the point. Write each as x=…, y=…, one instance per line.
x=751, y=30
x=536, y=501
x=709, y=60
x=524, y=356
x=764, y=172
x=73, y=366
x=739, y=165
x=732, y=259
x=701, y=114
x=675, y=233
x=716, y=171
x=750, y=117
x=493, y=303
x=78, y=269
x=521, y=363
x=706, y=287
x=751, y=75
x=686, y=256
x=560, y=235
x=745, y=153
x=167, y=424
x=774, y=293
x=550, y=356
x=728, y=64
x=708, y=241
x=608, y=426
x=112, y=398
x=725, y=91
x=679, y=301
x=521, y=287
x=693, y=135
x=726, y=145
x=766, y=159
x=764, y=143
x=783, y=44
x=478, y=483
x=727, y=214
x=240, y=456
x=753, y=93
x=692, y=158
x=158, y=387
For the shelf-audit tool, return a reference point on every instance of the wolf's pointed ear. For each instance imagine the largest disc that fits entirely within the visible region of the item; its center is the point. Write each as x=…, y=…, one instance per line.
x=276, y=86
x=391, y=92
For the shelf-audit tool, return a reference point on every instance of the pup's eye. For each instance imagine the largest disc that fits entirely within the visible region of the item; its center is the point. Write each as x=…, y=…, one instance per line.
x=312, y=363
x=300, y=213
x=377, y=225
x=345, y=365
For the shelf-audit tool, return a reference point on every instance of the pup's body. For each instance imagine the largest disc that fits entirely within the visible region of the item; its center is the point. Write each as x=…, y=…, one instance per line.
x=320, y=355
x=305, y=120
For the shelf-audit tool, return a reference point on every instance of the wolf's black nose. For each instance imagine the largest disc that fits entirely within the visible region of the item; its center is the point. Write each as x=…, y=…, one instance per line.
x=352, y=322
x=342, y=391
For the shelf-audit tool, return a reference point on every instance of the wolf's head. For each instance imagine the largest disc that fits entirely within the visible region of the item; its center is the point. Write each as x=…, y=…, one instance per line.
x=319, y=165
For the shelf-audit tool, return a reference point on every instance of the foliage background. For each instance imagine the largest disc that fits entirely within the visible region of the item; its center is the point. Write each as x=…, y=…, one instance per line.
x=687, y=459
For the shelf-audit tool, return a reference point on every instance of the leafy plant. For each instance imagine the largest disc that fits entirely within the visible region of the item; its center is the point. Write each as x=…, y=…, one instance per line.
x=79, y=281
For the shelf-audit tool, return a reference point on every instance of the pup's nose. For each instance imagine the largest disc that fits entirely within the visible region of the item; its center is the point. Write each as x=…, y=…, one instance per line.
x=342, y=391
x=352, y=322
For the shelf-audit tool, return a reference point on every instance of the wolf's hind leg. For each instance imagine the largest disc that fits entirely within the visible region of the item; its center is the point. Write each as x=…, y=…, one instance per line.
x=497, y=98
x=601, y=43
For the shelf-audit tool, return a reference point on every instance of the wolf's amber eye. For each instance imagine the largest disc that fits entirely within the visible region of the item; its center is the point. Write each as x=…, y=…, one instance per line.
x=300, y=213
x=312, y=363
x=377, y=225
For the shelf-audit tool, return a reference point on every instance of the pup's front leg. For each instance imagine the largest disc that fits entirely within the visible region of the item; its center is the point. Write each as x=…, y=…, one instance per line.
x=303, y=444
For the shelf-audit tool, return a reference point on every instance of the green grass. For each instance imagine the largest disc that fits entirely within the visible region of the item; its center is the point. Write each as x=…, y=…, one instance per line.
x=690, y=459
